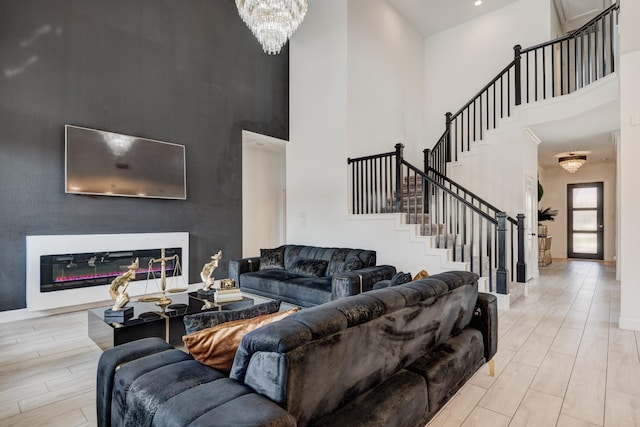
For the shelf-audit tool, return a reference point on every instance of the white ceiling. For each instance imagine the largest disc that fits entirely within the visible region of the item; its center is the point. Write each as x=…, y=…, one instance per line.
x=591, y=131
x=432, y=16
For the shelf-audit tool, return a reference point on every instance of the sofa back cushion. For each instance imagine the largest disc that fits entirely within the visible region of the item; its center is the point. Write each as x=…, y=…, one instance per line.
x=335, y=257
x=319, y=359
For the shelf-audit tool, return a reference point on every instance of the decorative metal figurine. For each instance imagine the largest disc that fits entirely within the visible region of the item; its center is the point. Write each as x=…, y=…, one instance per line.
x=164, y=301
x=121, y=298
x=207, y=270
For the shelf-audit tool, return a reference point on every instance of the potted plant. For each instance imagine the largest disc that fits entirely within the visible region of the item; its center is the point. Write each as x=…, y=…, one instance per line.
x=546, y=214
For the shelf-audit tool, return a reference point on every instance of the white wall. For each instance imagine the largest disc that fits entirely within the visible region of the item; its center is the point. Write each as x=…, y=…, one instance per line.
x=317, y=149
x=356, y=84
x=629, y=172
x=555, y=196
x=385, y=81
x=462, y=59
x=556, y=27
x=263, y=212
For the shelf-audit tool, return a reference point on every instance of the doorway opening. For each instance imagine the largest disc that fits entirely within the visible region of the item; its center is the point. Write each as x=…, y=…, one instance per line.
x=585, y=220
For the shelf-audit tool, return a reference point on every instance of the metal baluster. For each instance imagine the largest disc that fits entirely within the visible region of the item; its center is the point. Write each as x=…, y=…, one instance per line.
x=604, y=47
x=473, y=235
x=486, y=103
x=535, y=73
x=501, y=97
x=561, y=69
x=611, y=42
x=544, y=73
x=509, y=93
x=527, y=74
x=468, y=129
x=474, y=120
x=494, y=104
x=480, y=221
x=480, y=126
x=595, y=50
x=553, y=70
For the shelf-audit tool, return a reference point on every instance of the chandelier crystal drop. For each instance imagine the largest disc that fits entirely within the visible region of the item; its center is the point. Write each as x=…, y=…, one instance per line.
x=572, y=163
x=272, y=21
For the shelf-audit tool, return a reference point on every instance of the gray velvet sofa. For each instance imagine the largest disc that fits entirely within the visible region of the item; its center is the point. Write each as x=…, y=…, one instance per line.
x=388, y=357
x=309, y=275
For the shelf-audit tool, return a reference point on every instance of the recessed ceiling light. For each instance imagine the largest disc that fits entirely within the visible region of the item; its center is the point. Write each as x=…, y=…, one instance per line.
x=477, y=2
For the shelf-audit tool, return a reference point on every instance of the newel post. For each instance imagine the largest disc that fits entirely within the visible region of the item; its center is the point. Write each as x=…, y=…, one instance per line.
x=521, y=266
x=399, y=151
x=448, y=137
x=518, y=74
x=501, y=274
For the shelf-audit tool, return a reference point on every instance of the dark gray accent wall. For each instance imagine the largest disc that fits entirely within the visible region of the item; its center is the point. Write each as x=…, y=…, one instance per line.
x=182, y=71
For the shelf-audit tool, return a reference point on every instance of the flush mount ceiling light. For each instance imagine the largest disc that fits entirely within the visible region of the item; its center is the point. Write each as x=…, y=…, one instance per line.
x=477, y=2
x=272, y=21
x=572, y=162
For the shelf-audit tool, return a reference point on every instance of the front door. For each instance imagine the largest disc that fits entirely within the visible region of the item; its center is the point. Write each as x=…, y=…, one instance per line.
x=585, y=227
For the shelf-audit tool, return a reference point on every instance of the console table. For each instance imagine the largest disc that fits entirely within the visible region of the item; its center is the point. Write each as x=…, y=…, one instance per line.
x=151, y=320
x=544, y=251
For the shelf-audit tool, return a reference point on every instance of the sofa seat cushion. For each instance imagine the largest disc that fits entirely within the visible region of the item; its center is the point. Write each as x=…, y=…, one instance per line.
x=288, y=286
x=188, y=393
x=399, y=401
x=449, y=366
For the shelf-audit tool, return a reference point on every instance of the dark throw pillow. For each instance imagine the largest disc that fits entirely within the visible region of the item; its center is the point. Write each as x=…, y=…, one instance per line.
x=208, y=319
x=351, y=264
x=309, y=267
x=400, y=278
x=272, y=258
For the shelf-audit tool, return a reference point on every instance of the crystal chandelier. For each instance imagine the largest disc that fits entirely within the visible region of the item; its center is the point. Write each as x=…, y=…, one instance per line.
x=272, y=21
x=572, y=163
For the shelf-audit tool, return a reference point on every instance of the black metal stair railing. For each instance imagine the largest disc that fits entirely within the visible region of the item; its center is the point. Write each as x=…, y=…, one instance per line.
x=540, y=72
x=475, y=231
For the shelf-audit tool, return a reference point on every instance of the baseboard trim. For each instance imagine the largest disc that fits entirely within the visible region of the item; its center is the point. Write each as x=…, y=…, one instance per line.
x=629, y=323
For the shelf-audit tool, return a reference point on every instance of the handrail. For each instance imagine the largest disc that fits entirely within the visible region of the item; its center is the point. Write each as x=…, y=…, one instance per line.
x=451, y=193
x=475, y=231
x=537, y=72
x=470, y=193
x=574, y=33
x=615, y=6
x=485, y=88
x=374, y=156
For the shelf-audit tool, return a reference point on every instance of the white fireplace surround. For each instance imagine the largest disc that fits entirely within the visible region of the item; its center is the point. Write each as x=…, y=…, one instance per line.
x=79, y=243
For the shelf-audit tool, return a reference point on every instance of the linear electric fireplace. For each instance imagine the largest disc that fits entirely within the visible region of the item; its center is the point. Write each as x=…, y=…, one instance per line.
x=78, y=269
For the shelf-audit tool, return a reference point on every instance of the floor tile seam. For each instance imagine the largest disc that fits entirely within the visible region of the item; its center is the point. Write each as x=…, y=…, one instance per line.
x=25, y=414
x=74, y=393
x=519, y=403
x=457, y=393
x=538, y=391
x=490, y=410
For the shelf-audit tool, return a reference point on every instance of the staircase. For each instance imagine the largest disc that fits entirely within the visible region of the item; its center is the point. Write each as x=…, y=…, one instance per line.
x=455, y=219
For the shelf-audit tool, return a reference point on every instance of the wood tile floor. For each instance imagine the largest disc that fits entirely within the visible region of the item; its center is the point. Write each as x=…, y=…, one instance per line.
x=562, y=361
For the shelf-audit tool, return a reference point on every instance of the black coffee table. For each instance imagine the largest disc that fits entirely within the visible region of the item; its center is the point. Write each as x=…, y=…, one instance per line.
x=150, y=320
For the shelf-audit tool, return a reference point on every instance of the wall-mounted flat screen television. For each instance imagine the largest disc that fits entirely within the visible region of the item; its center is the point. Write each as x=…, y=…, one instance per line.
x=107, y=163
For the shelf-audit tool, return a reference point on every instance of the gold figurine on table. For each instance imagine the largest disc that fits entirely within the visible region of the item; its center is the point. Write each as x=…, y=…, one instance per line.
x=207, y=270
x=121, y=298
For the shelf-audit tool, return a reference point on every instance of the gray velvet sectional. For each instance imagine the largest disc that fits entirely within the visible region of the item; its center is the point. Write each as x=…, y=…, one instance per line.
x=388, y=357
x=309, y=275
